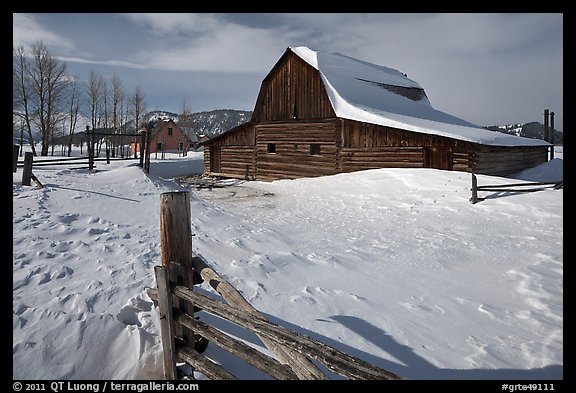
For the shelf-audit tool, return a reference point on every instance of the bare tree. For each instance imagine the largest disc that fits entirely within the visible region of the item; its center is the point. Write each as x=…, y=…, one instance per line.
x=138, y=106
x=186, y=123
x=117, y=98
x=94, y=91
x=73, y=110
x=105, y=115
x=48, y=82
x=21, y=92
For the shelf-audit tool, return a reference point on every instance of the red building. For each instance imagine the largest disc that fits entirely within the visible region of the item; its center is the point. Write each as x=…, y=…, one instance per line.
x=167, y=137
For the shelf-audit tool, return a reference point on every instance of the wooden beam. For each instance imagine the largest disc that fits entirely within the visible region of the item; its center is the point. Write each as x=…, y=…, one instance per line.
x=337, y=361
x=301, y=366
x=204, y=365
x=245, y=352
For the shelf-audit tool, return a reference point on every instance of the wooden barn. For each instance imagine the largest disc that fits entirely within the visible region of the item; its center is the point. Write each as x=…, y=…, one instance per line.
x=321, y=114
x=167, y=137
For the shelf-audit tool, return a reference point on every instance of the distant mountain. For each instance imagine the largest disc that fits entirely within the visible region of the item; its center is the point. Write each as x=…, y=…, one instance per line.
x=215, y=122
x=209, y=123
x=533, y=130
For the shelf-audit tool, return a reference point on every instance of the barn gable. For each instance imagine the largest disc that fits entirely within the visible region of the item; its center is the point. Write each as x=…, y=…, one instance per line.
x=320, y=114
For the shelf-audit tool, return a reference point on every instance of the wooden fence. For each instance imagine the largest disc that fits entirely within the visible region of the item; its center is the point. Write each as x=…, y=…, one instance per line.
x=511, y=187
x=28, y=162
x=181, y=332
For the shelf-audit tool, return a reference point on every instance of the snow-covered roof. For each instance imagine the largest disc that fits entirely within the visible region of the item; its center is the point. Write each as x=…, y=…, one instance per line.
x=371, y=93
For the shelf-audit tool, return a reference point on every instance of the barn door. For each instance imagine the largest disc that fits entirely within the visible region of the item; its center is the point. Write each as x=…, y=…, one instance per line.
x=215, y=159
x=438, y=157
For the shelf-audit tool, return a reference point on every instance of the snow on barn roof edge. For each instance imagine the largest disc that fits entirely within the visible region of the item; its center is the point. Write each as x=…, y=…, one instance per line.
x=375, y=94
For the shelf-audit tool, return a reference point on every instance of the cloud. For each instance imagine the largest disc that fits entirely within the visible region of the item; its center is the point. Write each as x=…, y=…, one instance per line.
x=170, y=24
x=113, y=63
x=207, y=42
x=27, y=30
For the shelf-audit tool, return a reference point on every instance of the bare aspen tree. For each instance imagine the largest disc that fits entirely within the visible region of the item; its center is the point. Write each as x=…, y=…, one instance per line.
x=106, y=100
x=21, y=92
x=138, y=106
x=186, y=123
x=73, y=96
x=122, y=122
x=94, y=91
x=48, y=82
x=117, y=97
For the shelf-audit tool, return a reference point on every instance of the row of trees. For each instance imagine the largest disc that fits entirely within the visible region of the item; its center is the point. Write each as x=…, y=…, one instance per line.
x=47, y=98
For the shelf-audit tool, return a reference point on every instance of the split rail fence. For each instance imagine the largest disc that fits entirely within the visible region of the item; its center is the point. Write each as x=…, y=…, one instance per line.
x=184, y=337
x=29, y=162
x=511, y=187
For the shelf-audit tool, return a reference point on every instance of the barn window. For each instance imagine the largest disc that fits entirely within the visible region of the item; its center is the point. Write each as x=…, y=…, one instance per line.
x=159, y=146
x=271, y=148
x=314, y=149
x=170, y=131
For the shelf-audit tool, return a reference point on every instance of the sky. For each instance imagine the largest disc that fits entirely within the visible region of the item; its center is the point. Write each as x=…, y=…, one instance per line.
x=394, y=266
x=488, y=69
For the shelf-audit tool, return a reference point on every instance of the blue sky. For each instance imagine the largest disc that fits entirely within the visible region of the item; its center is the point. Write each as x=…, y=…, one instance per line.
x=485, y=68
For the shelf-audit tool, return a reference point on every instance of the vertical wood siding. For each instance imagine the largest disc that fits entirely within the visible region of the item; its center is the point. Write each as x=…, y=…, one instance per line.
x=292, y=90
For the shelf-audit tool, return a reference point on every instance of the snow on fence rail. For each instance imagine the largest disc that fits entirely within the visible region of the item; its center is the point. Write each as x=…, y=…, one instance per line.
x=511, y=187
x=182, y=334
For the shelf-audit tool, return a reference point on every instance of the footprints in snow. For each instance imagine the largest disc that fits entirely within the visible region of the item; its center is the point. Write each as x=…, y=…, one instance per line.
x=310, y=294
x=418, y=303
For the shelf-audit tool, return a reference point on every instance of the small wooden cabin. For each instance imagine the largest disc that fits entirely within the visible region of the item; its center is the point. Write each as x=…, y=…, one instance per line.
x=321, y=114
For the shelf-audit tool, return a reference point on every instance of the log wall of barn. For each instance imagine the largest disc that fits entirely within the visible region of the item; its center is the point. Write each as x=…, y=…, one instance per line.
x=237, y=158
x=501, y=160
x=291, y=144
x=370, y=146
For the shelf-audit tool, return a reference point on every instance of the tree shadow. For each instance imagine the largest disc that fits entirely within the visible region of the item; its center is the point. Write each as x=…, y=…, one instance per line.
x=416, y=367
x=411, y=365
x=91, y=192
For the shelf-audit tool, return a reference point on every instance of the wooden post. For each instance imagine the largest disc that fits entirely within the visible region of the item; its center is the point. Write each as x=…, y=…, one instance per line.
x=90, y=148
x=166, y=322
x=474, y=198
x=15, y=151
x=27, y=171
x=176, y=243
x=147, y=150
x=552, y=135
x=107, y=155
x=142, y=144
x=546, y=125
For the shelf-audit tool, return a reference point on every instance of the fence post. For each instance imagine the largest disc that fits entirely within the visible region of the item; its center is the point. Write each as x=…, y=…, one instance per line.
x=90, y=148
x=27, y=171
x=142, y=145
x=551, y=134
x=166, y=323
x=474, y=198
x=147, y=155
x=15, y=151
x=176, y=243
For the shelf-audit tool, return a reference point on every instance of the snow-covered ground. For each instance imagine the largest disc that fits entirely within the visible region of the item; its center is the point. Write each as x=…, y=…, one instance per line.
x=394, y=266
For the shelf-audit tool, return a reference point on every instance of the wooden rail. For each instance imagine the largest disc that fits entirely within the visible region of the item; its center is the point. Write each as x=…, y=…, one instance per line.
x=511, y=187
x=292, y=352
